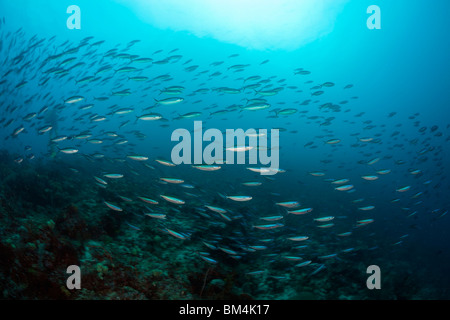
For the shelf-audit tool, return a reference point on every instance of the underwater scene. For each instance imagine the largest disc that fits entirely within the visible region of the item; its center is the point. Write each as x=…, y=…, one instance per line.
x=224, y=150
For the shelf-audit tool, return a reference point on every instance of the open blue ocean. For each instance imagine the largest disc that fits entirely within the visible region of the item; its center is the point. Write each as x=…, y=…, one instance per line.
x=239, y=149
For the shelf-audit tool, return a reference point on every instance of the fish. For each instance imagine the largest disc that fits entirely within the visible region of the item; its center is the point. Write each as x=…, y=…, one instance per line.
x=344, y=188
x=369, y=178
x=177, y=234
x=172, y=180
x=169, y=101
x=260, y=170
x=216, y=209
x=333, y=141
x=303, y=264
x=113, y=175
x=59, y=139
x=137, y=157
x=256, y=107
x=365, y=221
x=252, y=184
x=301, y=211
x=340, y=181
x=30, y=116
x=148, y=200
x=69, y=150
x=272, y=218
x=45, y=129
x=403, y=189
x=207, y=167
x=317, y=174
x=172, y=199
x=373, y=161
x=112, y=107
x=366, y=208
x=190, y=115
x=99, y=180
x=156, y=215
x=225, y=217
x=165, y=162
x=288, y=204
x=113, y=206
x=298, y=238
x=327, y=225
x=269, y=226
x=329, y=256
x=292, y=258
x=123, y=111
x=240, y=198
x=138, y=78
x=209, y=260
x=126, y=69
x=132, y=226
x=239, y=149
x=324, y=219
x=228, y=251
x=74, y=99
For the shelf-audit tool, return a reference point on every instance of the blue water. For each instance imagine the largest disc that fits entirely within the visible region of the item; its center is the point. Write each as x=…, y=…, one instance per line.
x=399, y=102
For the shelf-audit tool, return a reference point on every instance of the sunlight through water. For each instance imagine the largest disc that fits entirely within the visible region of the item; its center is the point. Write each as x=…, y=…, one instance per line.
x=253, y=24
